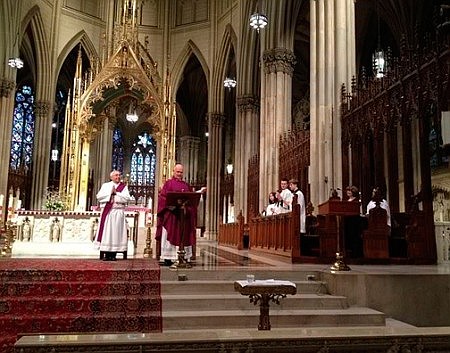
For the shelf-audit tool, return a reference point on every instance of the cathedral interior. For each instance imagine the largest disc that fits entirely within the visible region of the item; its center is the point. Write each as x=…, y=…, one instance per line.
x=243, y=93
x=140, y=85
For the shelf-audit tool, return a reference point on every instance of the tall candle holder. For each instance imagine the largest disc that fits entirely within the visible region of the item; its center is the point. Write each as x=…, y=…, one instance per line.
x=148, y=242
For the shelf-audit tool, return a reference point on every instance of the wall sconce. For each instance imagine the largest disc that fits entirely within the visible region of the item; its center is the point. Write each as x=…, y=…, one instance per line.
x=15, y=63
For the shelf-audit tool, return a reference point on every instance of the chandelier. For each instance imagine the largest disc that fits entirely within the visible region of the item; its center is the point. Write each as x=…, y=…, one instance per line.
x=131, y=116
x=258, y=21
x=229, y=83
x=378, y=58
x=15, y=63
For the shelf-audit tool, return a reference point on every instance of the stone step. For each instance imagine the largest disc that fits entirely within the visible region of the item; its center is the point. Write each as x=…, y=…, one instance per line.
x=279, y=318
x=70, y=288
x=235, y=274
x=174, y=302
x=94, y=305
x=227, y=286
x=73, y=322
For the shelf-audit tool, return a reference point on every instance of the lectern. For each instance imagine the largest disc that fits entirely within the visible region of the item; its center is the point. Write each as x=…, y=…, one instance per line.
x=178, y=203
x=339, y=209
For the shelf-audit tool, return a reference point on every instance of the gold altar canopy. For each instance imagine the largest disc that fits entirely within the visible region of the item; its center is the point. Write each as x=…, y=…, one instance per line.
x=130, y=73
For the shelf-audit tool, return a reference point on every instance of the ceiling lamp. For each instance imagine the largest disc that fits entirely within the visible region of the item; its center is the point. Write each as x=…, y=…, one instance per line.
x=229, y=83
x=15, y=63
x=378, y=59
x=258, y=21
x=132, y=117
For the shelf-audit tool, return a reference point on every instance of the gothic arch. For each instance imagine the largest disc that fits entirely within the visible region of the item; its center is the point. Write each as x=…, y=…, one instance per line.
x=177, y=71
x=248, y=56
x=33, y=19
x=229, y=41
x=80, y=37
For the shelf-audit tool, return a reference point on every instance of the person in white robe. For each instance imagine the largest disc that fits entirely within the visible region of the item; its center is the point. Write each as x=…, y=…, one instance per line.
x=111, y=236
x=293, y=186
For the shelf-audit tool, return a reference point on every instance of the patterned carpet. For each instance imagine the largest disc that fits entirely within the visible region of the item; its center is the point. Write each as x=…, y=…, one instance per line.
x=78, y=295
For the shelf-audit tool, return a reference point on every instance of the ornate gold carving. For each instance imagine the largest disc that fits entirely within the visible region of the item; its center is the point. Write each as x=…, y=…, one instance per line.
x=279, y=59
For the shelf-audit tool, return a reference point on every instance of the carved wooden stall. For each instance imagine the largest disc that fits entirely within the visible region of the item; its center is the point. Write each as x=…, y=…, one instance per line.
x=253, y=187
x=401, y=106
x=294, y=158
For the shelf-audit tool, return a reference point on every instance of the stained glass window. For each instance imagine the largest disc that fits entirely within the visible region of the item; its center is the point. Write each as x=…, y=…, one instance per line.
x=143, y=161
x=118, y=151
x=22, y=136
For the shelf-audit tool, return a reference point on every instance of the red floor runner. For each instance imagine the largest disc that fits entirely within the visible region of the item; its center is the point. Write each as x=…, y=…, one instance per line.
x=77, y=295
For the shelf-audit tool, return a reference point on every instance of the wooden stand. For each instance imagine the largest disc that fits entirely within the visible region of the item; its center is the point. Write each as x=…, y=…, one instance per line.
x=181, y=200
x=339, y=209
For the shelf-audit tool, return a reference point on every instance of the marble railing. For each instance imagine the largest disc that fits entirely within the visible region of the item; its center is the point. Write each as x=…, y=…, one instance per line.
x=53, y=233
x=442, y=232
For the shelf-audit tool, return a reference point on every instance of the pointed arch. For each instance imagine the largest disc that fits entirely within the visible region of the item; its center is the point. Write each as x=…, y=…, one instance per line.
x=177, y=71
x=249, y=55
x=226, y=46
x=33, y=19
x=81, y=37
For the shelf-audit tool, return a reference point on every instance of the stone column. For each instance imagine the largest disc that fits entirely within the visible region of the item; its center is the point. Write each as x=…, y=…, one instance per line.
x=246, y=145
x=332, y=32
x=101, y=157
x=275, y=115
x=189, y=157
x=214, y=162
x=41, y=152
x=6, y=113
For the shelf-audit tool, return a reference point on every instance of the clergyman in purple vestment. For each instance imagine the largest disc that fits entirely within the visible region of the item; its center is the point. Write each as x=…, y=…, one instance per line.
x=168, y=230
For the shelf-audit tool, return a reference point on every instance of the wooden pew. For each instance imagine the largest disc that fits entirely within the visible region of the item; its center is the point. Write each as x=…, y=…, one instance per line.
x=232, y=234
x=376, y=236
x=278, y=234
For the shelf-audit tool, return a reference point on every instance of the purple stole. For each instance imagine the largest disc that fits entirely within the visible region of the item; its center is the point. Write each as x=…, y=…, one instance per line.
x=106, y=210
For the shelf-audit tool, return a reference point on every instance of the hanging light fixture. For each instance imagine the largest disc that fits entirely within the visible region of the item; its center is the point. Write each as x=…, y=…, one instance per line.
x=131, y=116
x=378, y=58
x=229, y=83
x=258, y=21
x=15, y=63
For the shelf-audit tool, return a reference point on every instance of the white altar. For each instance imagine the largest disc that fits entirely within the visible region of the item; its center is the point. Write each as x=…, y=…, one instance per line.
x=51, y=233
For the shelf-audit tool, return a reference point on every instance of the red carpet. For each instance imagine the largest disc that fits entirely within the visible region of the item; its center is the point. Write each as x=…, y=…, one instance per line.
x=77, y=295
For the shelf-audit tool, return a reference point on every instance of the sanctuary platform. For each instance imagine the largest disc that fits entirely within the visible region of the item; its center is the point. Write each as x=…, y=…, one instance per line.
x=372, y=308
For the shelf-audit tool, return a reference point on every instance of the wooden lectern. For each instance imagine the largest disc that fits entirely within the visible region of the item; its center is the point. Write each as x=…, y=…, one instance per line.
x=338, y=208
x=178, y=201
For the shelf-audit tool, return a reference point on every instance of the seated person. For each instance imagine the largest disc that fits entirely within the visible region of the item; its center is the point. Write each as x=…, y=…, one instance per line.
x=272, y=207
x=352, y=193
x=378, y=200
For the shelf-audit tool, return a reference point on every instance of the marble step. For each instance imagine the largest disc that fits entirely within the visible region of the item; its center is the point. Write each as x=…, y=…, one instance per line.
x=234, y=274
x=174, y=302
x=94, y=305
x=227, y=286
x=74, y=322
x=88, y=289
x=279, y=318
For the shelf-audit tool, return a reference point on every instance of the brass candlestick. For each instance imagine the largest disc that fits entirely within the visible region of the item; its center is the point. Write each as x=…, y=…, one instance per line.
x=148, y=242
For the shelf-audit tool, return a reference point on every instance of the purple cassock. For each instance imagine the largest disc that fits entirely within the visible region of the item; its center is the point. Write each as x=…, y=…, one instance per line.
x=167, y=217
